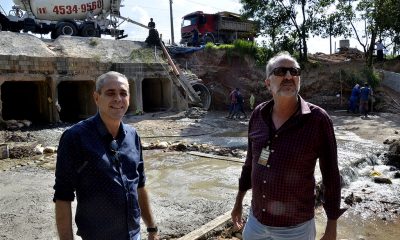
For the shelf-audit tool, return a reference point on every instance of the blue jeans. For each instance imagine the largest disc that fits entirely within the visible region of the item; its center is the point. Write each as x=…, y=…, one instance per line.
x=254, y=230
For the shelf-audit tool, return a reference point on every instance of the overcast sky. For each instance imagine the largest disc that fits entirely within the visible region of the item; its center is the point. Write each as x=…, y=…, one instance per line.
x=142, y=10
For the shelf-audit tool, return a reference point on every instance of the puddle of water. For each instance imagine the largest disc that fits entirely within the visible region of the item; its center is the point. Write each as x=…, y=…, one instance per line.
x=173, y=174
x=354, y=228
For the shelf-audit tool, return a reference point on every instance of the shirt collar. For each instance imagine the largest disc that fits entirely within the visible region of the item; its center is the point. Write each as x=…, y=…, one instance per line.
x=304, y=107
x=267, y=108
x=101, y=127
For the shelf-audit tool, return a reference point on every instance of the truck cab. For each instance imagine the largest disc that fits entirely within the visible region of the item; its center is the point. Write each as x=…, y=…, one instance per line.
x=221, y=27
x=204, y=24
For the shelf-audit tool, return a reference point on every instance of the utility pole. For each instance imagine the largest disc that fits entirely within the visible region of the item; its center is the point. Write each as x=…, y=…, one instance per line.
x=172, y=22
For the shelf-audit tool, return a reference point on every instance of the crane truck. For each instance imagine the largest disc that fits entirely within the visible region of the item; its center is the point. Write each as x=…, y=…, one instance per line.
x=221, y=27
x=86, y=18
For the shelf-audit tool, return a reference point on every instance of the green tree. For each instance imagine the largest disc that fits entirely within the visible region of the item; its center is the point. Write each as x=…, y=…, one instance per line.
x=296, y=19
x=381, y=20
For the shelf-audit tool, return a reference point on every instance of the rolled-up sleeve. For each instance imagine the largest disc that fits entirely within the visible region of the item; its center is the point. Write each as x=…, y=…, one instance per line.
x=66, y=175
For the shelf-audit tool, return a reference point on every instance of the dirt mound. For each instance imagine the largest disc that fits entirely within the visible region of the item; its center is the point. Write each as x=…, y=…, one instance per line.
x=323, y=81
x=23, y=44
x=104, y=50
x=343, y=55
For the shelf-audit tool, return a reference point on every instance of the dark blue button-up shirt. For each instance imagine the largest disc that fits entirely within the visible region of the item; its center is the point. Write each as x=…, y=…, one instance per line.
x=105, y=181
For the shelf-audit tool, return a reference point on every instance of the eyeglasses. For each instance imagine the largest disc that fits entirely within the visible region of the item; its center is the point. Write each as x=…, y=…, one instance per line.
x=114, y=150
x=281, y=71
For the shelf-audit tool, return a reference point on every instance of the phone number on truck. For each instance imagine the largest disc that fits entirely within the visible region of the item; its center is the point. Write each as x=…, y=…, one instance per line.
x=70, y=9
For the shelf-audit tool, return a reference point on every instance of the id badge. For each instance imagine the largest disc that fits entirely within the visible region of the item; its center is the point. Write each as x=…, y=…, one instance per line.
x=263, y=160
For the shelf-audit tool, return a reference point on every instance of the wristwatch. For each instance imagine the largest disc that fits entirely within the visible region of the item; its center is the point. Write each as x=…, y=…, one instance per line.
x=152, y=229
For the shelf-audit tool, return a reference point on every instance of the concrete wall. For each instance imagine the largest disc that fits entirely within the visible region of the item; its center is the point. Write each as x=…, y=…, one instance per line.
x=73, y=79
x=391, y=80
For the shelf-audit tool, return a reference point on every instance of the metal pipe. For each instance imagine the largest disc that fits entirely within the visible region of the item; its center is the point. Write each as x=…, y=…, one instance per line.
x=171, y=63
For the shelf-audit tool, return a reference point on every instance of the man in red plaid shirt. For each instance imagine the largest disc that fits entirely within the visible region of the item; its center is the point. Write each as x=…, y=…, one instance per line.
x=286, y=137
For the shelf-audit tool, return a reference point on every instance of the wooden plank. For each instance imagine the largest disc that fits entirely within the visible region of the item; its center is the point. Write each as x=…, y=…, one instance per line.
x=200, y=232
x=207, y=155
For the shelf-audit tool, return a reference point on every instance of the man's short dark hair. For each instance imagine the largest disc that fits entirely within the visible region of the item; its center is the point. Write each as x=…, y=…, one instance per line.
x=113, y=75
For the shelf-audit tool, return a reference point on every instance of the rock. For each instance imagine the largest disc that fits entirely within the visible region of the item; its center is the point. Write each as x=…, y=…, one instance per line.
x=49, y=149
x=394, y=147
x=4, y=151
x=383, y=180
x=195, y=113
x=396, y=175
x=38, y=149
x=26, y=123
x=393, y=155
x=12, y=127
x=179, y=146
x=357, y=199
x=145, y=146
x=162, y=145
x=12, y=122
x=349, y=200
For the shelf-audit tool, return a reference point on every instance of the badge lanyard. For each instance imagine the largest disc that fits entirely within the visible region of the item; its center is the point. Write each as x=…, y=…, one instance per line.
x=266, y=151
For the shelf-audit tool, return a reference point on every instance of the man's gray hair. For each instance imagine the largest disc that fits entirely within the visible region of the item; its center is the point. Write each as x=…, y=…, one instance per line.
x=278, y=57
x=109, y=75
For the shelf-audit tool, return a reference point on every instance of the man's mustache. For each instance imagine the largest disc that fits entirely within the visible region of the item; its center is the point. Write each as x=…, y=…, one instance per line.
x=287, y=81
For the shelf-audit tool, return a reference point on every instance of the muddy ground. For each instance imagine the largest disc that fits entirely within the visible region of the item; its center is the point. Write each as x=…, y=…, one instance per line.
x=26, y=209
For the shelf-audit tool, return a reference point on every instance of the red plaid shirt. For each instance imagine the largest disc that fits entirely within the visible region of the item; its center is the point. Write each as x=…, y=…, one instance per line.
x=283, y=189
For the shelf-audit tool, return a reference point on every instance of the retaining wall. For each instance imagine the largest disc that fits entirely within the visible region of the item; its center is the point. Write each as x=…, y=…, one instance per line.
x=391, y=80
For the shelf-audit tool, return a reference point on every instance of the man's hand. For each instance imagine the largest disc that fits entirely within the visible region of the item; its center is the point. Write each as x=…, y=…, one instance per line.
x=236, y=215
x=153, y=236
x=330, y=230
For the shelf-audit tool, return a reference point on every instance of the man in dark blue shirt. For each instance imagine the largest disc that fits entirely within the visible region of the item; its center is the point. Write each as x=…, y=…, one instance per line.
x=100, y=159
x=365, y=93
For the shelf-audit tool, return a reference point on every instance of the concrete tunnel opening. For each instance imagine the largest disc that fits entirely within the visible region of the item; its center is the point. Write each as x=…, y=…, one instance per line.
x=76, y=100
x=157, y=94
x=24, y=100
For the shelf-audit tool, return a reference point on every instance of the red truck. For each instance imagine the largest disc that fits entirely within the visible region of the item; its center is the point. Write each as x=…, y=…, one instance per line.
x=222, y=27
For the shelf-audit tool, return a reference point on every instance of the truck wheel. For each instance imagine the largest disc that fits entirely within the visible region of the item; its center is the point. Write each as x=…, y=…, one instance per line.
x=88, y=30
x=1, y=27
x=66, y=28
